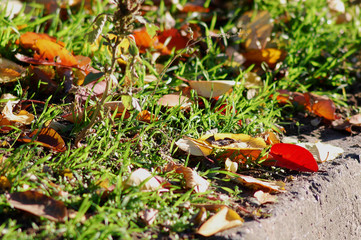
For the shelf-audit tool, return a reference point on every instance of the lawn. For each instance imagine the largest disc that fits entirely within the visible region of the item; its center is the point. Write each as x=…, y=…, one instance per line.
x=164, y=120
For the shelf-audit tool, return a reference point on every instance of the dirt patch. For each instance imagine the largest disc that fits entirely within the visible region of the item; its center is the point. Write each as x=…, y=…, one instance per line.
x=323, y=205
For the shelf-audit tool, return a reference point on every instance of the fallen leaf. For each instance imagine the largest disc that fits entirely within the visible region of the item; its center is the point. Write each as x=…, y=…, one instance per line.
x=194, y=147
x=46, y=137
x=210, y=89
x=291, y=156
x=4, y=183
x=173, y=100
x=143, y=178
x=224, y=219
x=322, y=152
x=231, y=166
x=237, y=147
x=264, y=197
x=257, y=184
x=271, y=56
x=38, y=204
x=53, y=52
x=9, y=71
x=193, y=180
x=256, y=29
x=148, y=216
x=28, y=39
x=22, y=117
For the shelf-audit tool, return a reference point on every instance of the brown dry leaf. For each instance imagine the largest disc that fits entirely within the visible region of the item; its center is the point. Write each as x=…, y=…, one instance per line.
x=355, y=120
x=271, y=56
x=38, y=204
x=143, y=177
x=148, y=216
x=22, y=117
x=322, y=152
x=210, y=89
x=46, y=137
x=9, y=71
x=264, y=197
x=256, y=184
x=224, y=219
x=193, y=180
x=256, y=28
x=173, y=100
x=4, y=183
x=146, y=116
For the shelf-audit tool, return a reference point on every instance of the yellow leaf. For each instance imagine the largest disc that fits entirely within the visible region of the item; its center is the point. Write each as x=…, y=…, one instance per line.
x=194, y=147
x=4, y=183
x=234, y=141
x=224, y=219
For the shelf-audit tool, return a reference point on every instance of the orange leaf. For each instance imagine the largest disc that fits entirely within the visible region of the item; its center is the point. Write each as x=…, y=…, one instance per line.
x=271, y=56
x=51, y=51
x=28, y=40
x=46, y=137
x=38, y=204
x=325, y=109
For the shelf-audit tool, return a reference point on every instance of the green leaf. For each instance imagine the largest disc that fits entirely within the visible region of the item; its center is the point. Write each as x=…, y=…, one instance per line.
x=97, y=28
x=151, y=29
x=91, y=77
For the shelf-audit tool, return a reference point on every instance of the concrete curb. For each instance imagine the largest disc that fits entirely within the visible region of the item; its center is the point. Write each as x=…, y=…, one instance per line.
x=324, y=205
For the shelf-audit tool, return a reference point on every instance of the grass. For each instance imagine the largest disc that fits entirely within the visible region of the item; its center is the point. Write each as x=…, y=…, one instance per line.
x=319, y=59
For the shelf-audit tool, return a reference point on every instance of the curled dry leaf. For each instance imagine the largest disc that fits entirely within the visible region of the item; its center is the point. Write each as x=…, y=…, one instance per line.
x=264, y=197
x=9, y=71
x=148, y=216
x=22, y=117
x=322, y=152
x=237, y=147
x=142, y=177
x=38, y=204
x=224, y=219
x=194, y=147
x=46, y=137
x=257, y=184
x=210, y=89
x=231, y=166
x=193, y=180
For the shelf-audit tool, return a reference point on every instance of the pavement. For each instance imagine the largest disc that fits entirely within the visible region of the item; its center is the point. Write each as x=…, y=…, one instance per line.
x=322, y=205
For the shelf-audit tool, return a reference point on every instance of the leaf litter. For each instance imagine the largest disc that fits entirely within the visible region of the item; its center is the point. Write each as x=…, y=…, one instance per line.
x=51, y=62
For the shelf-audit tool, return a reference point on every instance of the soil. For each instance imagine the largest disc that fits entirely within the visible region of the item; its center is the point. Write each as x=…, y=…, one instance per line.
x=322, y=205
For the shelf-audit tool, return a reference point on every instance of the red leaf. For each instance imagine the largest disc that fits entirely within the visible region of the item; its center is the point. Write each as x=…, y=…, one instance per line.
x=293, y=157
